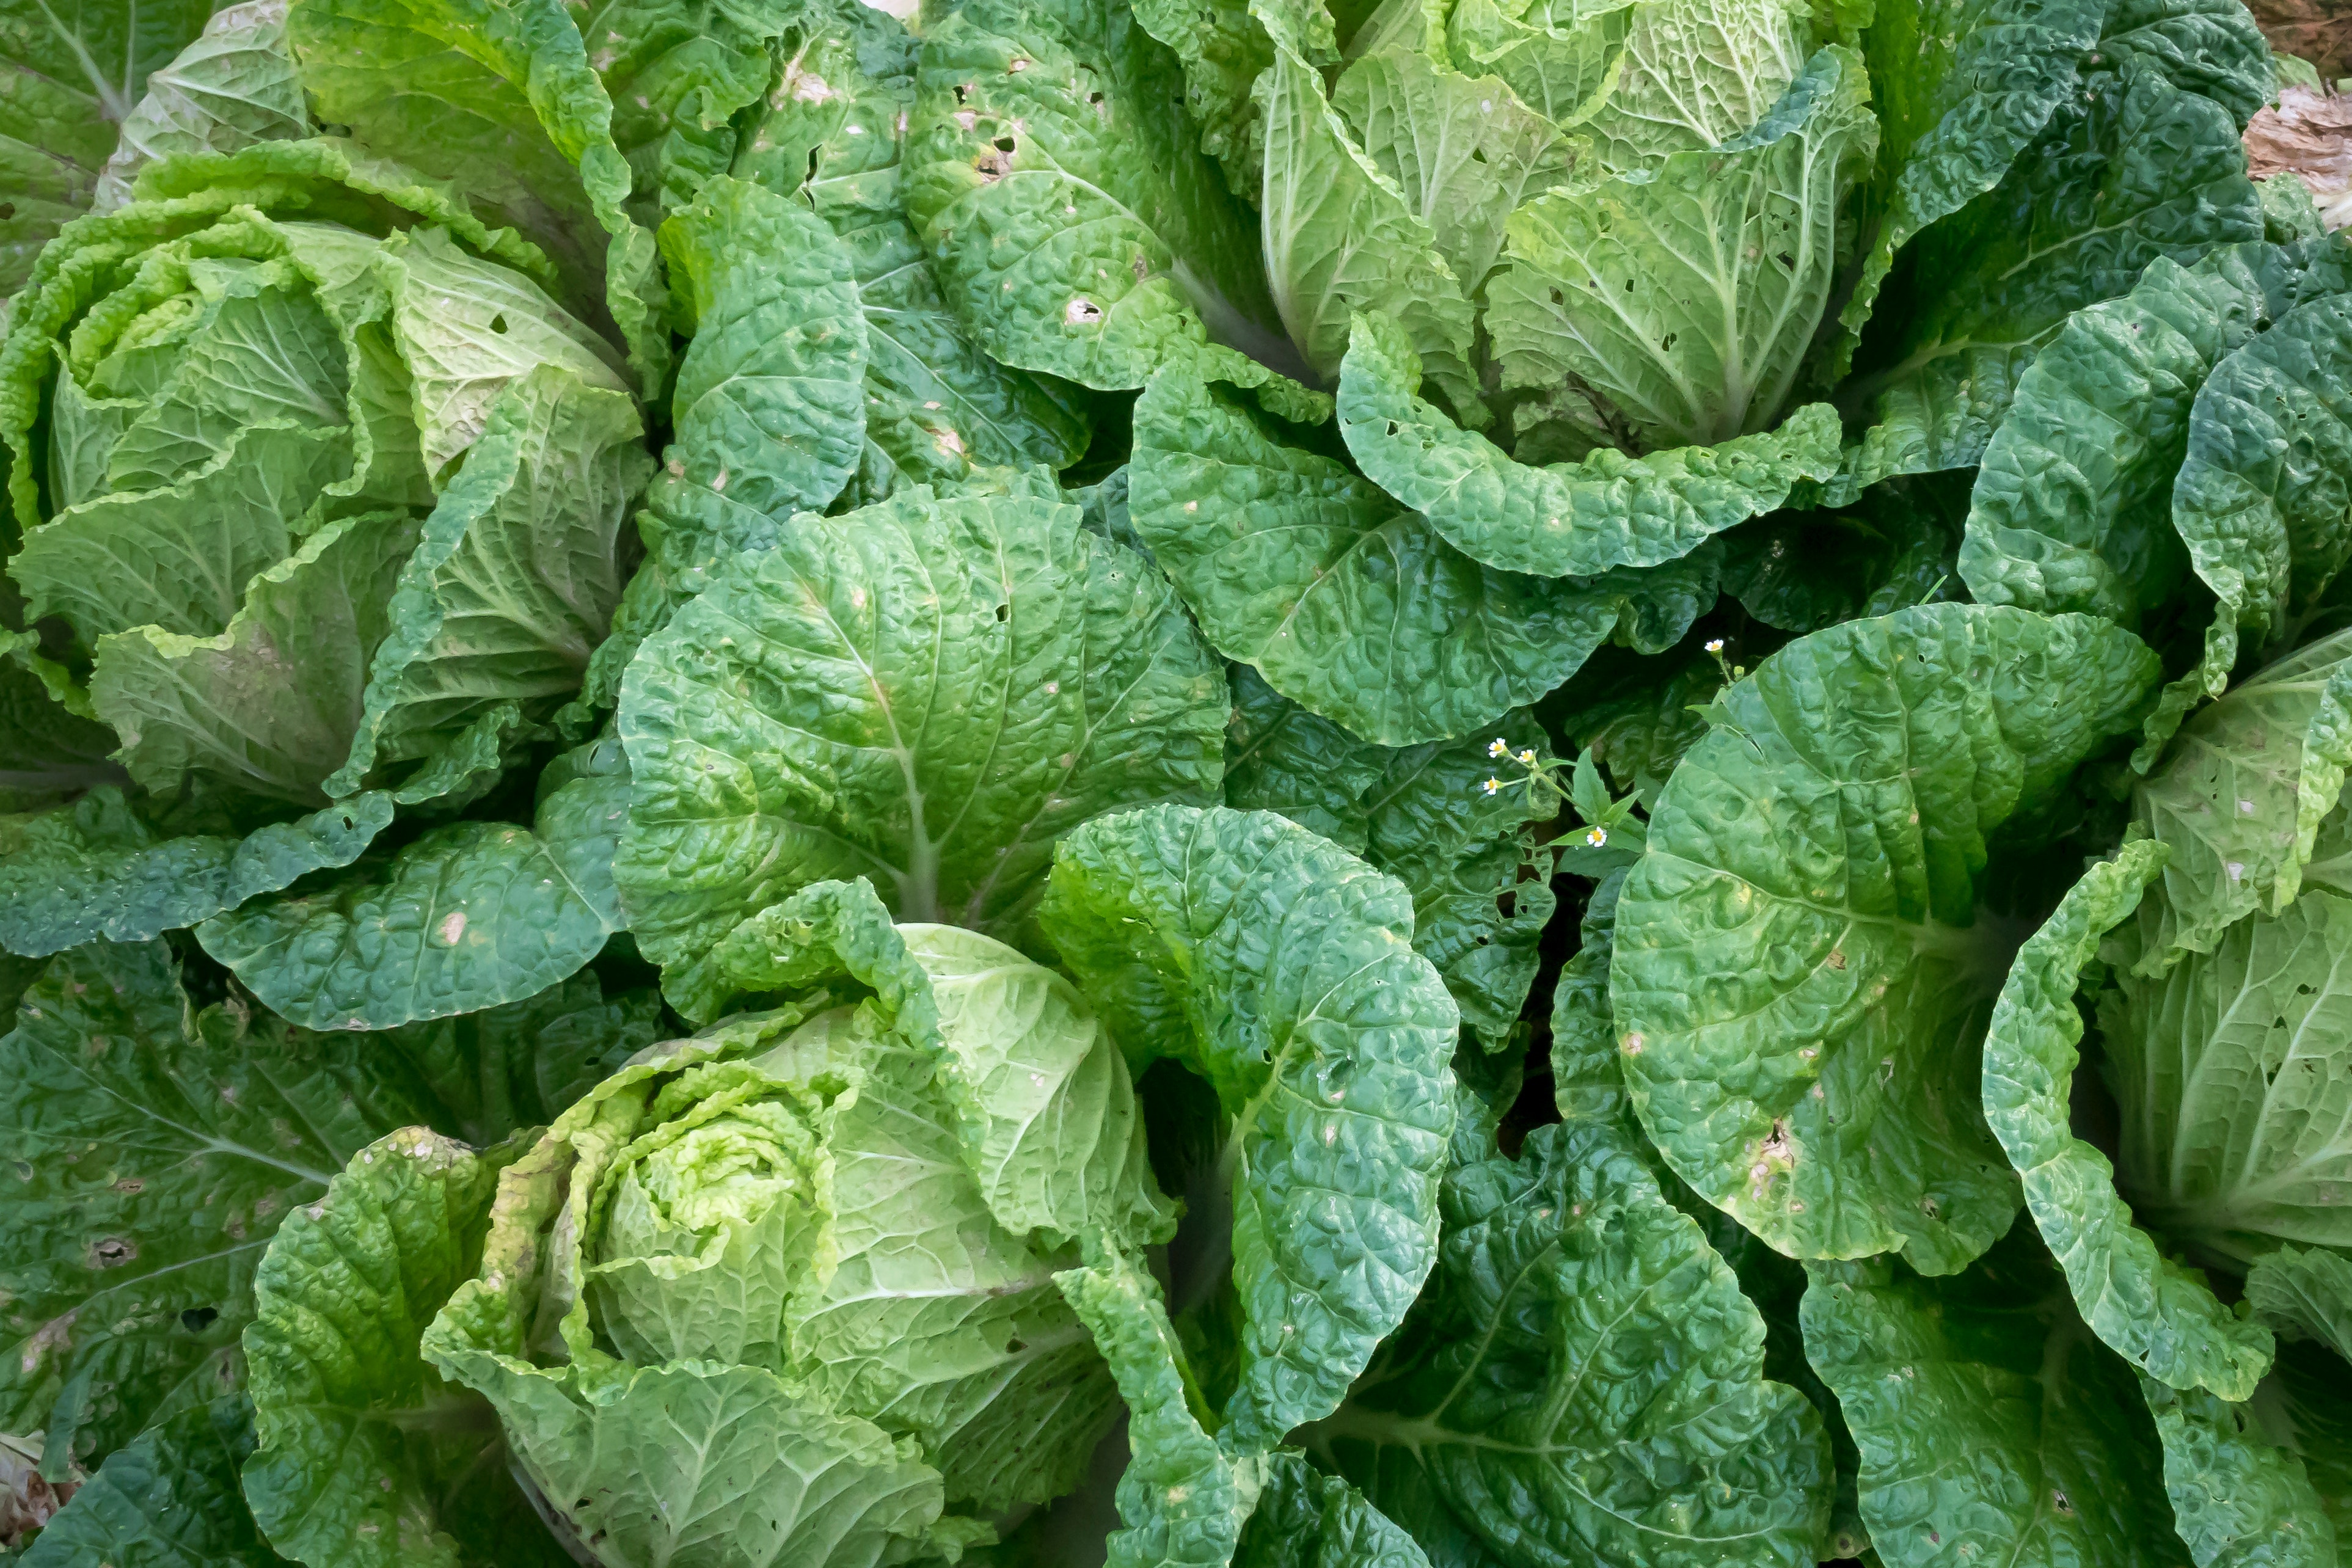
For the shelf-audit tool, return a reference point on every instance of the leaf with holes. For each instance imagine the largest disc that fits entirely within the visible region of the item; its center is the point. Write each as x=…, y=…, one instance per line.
x=152, y=1148
x=928, y=693
x=1055, y=176
x=1829, y=857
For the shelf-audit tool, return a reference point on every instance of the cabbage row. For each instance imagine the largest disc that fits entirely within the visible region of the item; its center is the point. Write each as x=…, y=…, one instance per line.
x=1276, y=783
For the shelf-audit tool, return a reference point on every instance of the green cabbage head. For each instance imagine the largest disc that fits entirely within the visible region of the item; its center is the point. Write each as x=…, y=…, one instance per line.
x=783, y=1293
x=310, y=474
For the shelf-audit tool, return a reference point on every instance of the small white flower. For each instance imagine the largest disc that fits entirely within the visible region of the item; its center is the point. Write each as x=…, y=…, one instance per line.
x=1714, y=645
x=1498, y=747
x=1596, y=837
x=1528, y=757
x=1492, y=785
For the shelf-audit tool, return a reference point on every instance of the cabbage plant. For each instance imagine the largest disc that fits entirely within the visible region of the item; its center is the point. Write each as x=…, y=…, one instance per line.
x=2160, y=1075
x=785, y=1291
x=1583, y=286
x=869, y=1269
x=2216, y=1012
x=319, y=495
